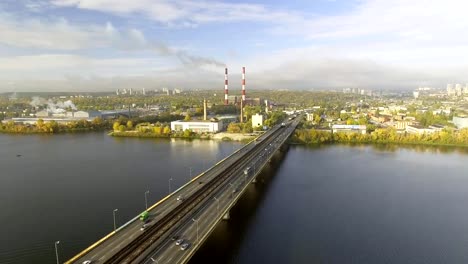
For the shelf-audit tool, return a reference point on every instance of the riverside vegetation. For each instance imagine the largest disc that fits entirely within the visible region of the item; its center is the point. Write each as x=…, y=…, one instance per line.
x=447, y=137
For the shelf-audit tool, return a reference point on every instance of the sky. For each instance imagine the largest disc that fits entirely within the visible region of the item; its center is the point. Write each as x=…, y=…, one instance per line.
x=103, y=45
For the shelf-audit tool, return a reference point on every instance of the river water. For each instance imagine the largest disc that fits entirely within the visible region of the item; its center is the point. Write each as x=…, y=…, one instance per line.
x=333, y=204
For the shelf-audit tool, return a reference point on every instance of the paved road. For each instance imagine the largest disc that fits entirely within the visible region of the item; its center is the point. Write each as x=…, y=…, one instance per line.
x=131, y=231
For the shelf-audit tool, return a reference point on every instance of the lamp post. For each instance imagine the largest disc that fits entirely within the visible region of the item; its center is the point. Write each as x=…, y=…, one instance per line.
x=155, y=260
x=113, y=213
x=232, y=188
x=214, y=197
x=170, y=185
x=196, y=220
x=146, y=199
x=56, y=251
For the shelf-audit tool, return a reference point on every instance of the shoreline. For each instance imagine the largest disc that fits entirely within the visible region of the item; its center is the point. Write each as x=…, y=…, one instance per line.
x=427, y=144
x=223, y=136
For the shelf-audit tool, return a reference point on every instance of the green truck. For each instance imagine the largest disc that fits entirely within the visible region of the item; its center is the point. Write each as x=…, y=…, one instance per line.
x=144, y=216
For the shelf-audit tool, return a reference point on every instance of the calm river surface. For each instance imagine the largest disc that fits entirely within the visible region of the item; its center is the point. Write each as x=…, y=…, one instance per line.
x=334, y=204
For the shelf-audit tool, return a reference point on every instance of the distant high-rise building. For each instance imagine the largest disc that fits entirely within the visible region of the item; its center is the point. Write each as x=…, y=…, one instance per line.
x=416, y=94
x=458, y=89
x=117, y=92
x=450, y=89
x=465, y=89
x=143, y=91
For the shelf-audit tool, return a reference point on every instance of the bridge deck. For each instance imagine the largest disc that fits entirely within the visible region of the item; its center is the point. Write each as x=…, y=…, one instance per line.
x=207, y=213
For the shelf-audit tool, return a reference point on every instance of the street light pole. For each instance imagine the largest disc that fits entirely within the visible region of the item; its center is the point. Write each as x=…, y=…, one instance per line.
x=113, y=213
x=146, y=200
x=217, y=201
x=196, y=220
x=56, y=251
x=232, y=188
x=155, y=260
x=170, y=185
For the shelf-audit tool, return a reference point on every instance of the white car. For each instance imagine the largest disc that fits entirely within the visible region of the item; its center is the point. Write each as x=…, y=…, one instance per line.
x=180, y=198
x=184, y=246
x=87, y=262
x=179, y=241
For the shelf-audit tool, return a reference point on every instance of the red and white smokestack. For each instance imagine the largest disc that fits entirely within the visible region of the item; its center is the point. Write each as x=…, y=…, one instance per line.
x=243, y=83
x=226, y=101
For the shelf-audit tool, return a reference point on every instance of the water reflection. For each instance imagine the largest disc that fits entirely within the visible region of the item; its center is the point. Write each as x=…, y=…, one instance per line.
x=394, y=147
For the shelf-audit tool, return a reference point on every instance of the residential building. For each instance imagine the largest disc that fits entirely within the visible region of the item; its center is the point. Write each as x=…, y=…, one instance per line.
x=460, y=122
x=257, y=120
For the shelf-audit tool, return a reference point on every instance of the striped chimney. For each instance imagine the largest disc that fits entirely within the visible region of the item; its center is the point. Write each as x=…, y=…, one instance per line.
x=243, y=83
x=226, y=101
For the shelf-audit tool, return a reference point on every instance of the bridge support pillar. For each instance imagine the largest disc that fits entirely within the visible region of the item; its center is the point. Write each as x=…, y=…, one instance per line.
x=227, y=216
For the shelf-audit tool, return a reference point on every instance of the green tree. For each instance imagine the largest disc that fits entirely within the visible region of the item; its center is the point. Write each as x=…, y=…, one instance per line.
x=116, y=126
x=234, y=128
x=188, y=133
x=188, y=117
x=129, y=125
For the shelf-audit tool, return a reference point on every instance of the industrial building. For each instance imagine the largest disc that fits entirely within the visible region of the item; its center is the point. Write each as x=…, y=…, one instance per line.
x=416, y=129
x=63, y=117
x=349, y=128
x=197, y=126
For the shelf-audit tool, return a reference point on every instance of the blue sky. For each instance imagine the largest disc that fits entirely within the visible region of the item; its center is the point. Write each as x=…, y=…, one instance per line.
x=317, y=44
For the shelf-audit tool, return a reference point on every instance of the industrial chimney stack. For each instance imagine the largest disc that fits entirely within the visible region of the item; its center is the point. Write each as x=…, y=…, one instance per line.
x=204, y=109
x=243, y=83
x=226, y=102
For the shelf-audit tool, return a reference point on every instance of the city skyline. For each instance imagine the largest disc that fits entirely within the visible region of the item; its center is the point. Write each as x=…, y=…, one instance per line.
x=103, y=45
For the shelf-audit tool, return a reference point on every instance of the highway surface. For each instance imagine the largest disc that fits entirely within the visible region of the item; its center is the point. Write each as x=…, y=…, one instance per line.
x=205, y=214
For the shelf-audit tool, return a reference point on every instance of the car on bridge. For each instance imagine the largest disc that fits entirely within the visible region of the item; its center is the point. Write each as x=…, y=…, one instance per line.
x=179, y=242
x=184, y=246
x=180, y=198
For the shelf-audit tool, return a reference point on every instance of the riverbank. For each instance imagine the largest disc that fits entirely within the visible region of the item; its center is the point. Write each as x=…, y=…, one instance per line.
x=223, y=136
x=382, y=136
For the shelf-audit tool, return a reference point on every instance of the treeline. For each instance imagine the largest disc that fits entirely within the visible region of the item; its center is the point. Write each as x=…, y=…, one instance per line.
x=383, y=136
x=148, y=130
x=273, y=118
x=54, y=127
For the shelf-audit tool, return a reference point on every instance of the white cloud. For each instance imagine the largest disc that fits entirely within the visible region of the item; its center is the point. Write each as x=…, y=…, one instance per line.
x=182, y=12
x=56, y=66
x=59, y=34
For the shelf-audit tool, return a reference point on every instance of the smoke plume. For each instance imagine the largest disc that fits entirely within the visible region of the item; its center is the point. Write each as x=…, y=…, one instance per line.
x=53, y=107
